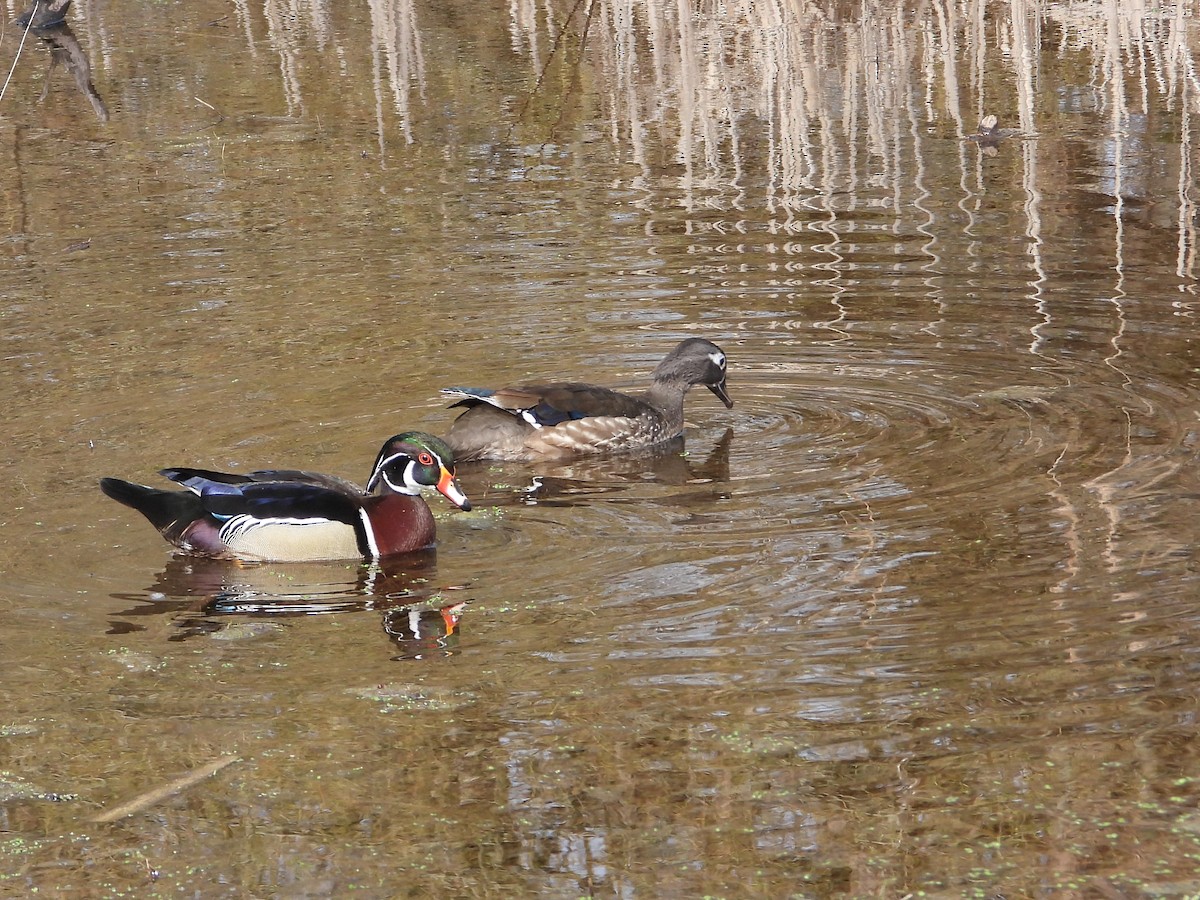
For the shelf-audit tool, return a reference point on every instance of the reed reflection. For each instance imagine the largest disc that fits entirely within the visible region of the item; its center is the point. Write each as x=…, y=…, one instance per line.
x=205, y=596
x=820, y=98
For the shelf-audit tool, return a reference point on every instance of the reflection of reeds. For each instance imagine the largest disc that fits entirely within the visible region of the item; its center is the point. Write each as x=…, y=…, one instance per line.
x=395, y=37
x=283, y=20
x=837, y=92
x=802, y=104
x=397, y=60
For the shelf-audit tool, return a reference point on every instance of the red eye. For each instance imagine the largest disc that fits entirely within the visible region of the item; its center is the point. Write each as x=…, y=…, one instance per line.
x=425, y=459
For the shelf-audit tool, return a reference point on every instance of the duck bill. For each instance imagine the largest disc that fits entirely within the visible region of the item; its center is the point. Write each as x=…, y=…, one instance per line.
x=449, y=489
x=719, y=390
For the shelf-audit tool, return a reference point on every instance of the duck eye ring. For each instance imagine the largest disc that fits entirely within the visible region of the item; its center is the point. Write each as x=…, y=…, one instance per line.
x=425, y=458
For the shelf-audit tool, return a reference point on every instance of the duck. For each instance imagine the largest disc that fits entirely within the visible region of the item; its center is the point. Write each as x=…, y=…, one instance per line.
x=530, y=422
x=288, y=515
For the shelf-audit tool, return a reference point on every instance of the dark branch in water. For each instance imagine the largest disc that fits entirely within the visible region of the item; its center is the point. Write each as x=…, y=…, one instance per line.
x=65, y=50
x=48, y=19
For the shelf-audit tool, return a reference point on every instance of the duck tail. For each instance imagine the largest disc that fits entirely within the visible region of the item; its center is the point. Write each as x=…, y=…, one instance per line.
x=169, y=511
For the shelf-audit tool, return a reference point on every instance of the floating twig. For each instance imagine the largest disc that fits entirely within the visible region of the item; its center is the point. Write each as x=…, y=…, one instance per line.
x=162, y=792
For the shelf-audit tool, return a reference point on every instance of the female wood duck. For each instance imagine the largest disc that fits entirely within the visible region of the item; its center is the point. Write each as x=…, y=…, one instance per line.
x=546, y=421
x=284, y=515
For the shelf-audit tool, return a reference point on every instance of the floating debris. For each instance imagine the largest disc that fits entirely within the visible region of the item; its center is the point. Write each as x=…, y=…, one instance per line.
x=988, y=135
x=411, y=698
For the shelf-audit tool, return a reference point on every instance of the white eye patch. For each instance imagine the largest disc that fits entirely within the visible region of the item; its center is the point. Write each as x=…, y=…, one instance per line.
x=718, y=358
x=410, y=484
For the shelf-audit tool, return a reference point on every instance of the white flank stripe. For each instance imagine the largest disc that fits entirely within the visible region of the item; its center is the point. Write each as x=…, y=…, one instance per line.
x=242, y=524
x=372, y=545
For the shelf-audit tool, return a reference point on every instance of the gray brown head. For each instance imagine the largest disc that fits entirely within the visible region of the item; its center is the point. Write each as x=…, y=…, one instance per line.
x=695, y=361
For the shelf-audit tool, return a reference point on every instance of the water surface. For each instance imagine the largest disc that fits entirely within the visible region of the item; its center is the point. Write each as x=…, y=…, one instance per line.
x=917, y=615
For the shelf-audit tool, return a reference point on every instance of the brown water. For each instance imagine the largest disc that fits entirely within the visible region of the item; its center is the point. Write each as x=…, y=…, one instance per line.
x=918, y=616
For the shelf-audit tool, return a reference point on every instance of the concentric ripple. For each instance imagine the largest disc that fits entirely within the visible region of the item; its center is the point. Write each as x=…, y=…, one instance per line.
x=845, y=491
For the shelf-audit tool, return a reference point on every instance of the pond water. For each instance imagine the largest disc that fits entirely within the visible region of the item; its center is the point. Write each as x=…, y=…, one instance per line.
x=918, y=616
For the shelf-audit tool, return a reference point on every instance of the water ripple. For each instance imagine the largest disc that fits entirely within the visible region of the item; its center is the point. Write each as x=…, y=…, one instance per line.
x=846, y=504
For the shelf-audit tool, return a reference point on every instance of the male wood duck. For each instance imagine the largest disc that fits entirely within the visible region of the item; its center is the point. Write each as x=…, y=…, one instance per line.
x=285, y=515
x=547, y=421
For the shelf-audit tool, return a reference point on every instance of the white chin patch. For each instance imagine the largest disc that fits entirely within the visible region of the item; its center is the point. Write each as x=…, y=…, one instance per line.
x=398, y=488
x=718, y=358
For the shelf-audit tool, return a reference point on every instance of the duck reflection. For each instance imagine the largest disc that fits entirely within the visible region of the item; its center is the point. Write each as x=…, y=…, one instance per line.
x=206, y=596
x=570, y=483
x=48, y=20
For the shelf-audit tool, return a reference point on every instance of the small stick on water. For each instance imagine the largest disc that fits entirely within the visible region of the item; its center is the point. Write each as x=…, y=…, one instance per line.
x=162, y=792
x=220, y=115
